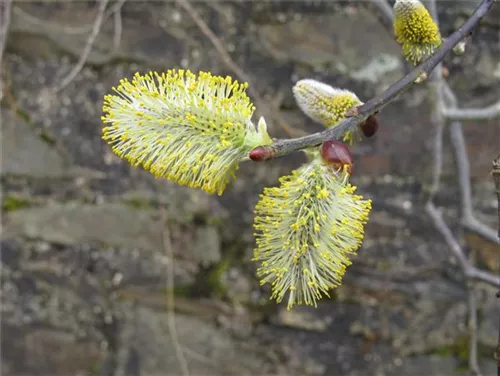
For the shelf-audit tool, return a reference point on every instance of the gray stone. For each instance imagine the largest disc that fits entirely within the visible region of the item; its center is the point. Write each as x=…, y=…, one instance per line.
x=488, y=319
x=112, y=224
x=42, y=38
x=206, y=247
x=319, y=40
x=302, y=318
x=207, y=350
x=26, y=154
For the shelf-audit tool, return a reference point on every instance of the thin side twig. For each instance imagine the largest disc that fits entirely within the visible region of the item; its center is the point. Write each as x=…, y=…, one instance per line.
x=468, y=270
x=469, y=221
x=172, y=328
x=473, y=364
x=485, y=113
x=88, y=47
x=5, y=13
x=118, y=25
x=57, y=28
x=287, y=146
x=436, y=116
x=384, y=12
x=495, y=172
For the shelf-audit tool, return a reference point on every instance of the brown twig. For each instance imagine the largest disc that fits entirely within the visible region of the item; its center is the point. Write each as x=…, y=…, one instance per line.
x=88, y=47
x=284, y=147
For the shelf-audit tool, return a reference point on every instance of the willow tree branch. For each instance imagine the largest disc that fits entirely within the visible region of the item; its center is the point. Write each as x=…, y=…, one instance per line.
x=287, y=146
x=485, y=113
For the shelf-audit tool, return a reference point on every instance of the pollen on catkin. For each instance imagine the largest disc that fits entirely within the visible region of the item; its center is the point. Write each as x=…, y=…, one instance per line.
x=326, y=104
x=415, y=30
x=306, y=230
x=190, y=129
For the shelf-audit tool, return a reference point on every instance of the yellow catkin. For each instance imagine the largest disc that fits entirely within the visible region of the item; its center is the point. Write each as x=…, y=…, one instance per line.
x=190, y=129
x=306, y=230
x=326, y=104
x=415, y=30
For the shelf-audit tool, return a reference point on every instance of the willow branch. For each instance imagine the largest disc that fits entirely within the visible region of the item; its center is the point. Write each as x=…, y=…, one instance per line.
x=287, y=146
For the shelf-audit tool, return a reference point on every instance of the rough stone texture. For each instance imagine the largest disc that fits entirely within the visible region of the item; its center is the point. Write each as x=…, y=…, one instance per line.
x=72, y=224
x=20, y=144
x=83, y=262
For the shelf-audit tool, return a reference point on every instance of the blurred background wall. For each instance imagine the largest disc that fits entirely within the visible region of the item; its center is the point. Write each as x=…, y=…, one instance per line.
x=83, y=258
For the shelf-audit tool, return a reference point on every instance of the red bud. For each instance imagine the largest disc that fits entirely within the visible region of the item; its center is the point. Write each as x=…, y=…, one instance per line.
x=336, y=154
x=259, y=154
x=370, y=126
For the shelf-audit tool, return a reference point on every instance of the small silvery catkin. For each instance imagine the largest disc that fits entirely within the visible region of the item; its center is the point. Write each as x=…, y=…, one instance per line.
x=325, y=104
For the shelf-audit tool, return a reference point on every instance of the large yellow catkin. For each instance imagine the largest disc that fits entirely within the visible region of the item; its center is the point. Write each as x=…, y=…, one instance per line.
x=415, y=30
x=190, y=129
x=306, y=230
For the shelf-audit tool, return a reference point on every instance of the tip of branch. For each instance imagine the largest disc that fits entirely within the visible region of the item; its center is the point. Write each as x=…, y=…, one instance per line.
x=260, y=153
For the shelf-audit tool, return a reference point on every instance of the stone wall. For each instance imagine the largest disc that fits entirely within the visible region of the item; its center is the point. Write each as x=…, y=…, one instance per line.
x=84, y=265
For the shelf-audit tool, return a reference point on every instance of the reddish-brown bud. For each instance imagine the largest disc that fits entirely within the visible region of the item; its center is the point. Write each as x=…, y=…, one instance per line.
x=260, y=153
x=370, y=126
x=337, y=155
